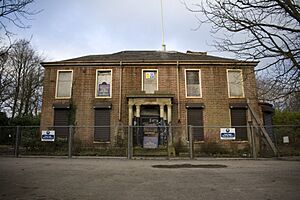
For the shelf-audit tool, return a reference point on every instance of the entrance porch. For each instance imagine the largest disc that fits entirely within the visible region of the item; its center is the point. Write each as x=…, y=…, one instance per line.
x=150, y=114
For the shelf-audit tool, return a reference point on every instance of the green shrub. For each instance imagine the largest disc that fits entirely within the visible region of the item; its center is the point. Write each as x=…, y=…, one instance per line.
x=290, y=122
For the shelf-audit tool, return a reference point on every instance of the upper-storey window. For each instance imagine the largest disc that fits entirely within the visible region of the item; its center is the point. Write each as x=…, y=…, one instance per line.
x=150, y=81
x=64, y=84
x=235, y=83
x=103, y=83
x=193, y=83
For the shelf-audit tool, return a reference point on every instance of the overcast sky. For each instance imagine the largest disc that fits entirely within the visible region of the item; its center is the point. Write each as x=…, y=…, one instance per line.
x=73, y=28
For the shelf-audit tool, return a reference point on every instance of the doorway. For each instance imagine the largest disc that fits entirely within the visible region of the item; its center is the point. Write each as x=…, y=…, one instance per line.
x=149, y=122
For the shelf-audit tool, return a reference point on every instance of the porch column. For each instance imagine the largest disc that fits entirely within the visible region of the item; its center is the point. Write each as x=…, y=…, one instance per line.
x=161, y=111
x=138, y=135
x=169, y=114
x=130, y=115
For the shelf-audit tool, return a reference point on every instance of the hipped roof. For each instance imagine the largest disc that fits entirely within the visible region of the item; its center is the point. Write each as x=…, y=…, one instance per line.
x=147, y=57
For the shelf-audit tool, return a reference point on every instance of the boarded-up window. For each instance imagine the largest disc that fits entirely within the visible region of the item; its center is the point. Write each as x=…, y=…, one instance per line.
x=103, y=83
x=239, y=122
x=150, y=80
x=235, y=83
x=102, y=125
x=195, y=118
x=193, y=83
x=64, y=84
x=61, y=121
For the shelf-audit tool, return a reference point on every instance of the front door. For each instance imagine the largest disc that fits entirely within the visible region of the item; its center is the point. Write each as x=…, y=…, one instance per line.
x=149, y=122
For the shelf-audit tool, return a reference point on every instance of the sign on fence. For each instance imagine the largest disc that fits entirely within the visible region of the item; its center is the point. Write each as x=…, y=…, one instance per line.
x=286, y=139
x=150, y=142
x=227, y=133
x=48, y=136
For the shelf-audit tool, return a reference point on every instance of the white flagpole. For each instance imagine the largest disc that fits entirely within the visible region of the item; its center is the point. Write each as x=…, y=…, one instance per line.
x=162, y=27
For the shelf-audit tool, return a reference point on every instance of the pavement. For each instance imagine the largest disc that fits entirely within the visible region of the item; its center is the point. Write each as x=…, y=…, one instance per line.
x=88, y=178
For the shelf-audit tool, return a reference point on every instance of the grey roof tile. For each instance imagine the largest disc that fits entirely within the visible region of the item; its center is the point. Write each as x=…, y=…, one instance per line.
x=147, y=56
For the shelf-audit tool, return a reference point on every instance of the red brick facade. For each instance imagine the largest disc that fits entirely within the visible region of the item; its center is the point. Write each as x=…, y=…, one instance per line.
x=127, y=80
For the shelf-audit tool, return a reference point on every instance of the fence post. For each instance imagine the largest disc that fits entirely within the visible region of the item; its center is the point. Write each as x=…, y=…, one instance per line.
x=70, y=142
x=169, y=141
x=17, y=142
x=129, y=148
x=276, y=143
x=191, y=142
x=252, y=140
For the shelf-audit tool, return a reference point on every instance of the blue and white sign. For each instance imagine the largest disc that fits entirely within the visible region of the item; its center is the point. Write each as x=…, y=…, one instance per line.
x=48, y=136
x=227, y=133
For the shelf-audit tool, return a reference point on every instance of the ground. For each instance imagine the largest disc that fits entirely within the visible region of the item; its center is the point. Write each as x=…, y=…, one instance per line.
x=93, y=178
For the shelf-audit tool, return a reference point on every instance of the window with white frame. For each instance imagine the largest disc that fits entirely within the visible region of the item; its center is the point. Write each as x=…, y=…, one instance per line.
x=64, y=83
x=150, y=81
x=103, y=83
x=193, y=83
x=235, y=83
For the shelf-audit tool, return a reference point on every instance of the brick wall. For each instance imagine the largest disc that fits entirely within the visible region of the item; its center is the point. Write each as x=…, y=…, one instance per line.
x=214, y=95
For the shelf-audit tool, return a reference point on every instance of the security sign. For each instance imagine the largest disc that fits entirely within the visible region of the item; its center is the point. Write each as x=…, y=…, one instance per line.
x=48, y=136
x=150, y=142
x=227, y=133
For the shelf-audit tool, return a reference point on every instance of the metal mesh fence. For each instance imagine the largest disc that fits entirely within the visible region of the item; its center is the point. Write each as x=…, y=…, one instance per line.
x=287, y=139
x=143, y=141
x=150, y=141
x=84, y=143
x=7, y=140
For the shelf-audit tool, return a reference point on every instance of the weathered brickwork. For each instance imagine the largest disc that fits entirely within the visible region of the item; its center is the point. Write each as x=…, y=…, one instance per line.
x=127, y=79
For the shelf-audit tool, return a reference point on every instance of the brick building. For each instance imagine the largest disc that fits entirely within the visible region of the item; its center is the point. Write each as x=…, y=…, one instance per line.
x=149, y=88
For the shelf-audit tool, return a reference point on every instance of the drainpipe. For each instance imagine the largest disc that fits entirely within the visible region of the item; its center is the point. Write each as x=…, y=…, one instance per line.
x=120, y=91
x=178, y=92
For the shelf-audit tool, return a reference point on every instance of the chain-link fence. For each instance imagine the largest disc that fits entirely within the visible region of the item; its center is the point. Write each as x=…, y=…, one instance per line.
x=26, y=140
x=85, y=142
x=147, y=141
x=7, y=140
x=287, y=139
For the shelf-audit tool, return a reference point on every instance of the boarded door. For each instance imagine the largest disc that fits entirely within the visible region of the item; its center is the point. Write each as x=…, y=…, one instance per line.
x=61, y=118
x=239, y=122
x=268, y=112
x=102, y=123
x=195, y=118
x=267, y=116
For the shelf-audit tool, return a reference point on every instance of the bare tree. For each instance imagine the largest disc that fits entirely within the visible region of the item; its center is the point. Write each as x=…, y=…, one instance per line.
x=20, y=72
x=25, y=72
x=14, y=11
x=280, y=92
x=4, y=77
x=265, y=30
x=294, y=102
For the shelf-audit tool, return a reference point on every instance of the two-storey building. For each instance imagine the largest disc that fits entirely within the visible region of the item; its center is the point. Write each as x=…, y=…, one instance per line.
x=148, y=88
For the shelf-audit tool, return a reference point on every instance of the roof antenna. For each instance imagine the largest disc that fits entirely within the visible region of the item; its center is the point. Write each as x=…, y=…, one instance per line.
x=162, y=27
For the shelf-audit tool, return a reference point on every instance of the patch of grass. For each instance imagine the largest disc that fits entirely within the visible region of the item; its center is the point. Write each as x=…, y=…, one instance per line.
x=158, y=152
x=289, y=150
x=97, y=151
